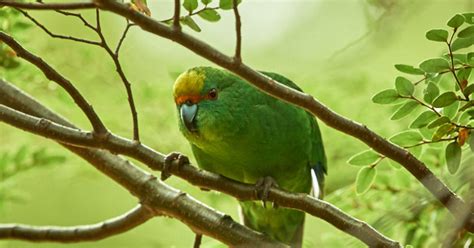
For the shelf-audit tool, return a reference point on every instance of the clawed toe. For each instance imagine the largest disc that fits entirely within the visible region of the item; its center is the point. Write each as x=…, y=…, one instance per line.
x=169, y=160
x=262, y=189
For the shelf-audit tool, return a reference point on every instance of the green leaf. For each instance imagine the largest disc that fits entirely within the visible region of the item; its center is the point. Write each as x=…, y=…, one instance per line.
x=469, y=17
x=386, y=97
x=451, y=110
x=469, y=89
x=434, y=65
x=460, y=43
x=453, y=157
x=409, y=69
x=227, y=4
x=442, y=131
x=431, y=92
x=423, y=119
x=210, y=15
x=407, y=138
x=438, y=122
x=464, y=74
x=467, y=32
x=456, y=21
x=365, y=178
x=445, y=99
x=188, y=21
x=364, y=158
x=404, y=86
x=190, y=5
x=404, y=110
x=437, y=35
x=206, y=2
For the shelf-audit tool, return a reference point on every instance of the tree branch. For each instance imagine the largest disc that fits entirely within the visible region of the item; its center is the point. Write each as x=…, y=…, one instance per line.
x=417, y=168
x=177, y=15
x=153, y=194
x=117, y=225
x=238, y=33
x=53, y=75
x=119, y=69
x=203, y=179
x=48, y=6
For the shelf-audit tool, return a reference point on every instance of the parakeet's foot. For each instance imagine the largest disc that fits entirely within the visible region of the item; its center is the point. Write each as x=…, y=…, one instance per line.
x=262, y=189
x=169, y=159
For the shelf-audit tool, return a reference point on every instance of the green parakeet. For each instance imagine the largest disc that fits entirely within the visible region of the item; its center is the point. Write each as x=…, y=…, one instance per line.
x=240, y=132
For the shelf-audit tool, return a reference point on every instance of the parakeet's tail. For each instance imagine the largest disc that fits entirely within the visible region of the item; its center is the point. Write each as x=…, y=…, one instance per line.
x=281, y=224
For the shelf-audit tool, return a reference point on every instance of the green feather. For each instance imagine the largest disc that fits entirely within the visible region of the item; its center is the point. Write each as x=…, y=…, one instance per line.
x=245, y=135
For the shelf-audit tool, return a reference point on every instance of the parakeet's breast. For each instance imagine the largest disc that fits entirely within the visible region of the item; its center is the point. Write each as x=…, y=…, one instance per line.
x=262, y=137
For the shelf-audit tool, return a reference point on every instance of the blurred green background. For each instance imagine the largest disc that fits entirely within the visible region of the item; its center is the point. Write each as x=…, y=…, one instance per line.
x=340, y=51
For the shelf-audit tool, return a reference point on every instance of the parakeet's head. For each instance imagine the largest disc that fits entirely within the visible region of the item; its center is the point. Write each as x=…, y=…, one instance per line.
x=207, y=100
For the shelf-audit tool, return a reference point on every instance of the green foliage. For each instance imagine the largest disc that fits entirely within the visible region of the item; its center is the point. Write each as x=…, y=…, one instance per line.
x=368, y=157
x=365, y=178
x=210, y=15
x=453, y=157
x=445, y=95
x=437, y=35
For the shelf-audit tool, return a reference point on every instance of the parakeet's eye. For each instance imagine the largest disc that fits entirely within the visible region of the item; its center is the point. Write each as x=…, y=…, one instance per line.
x=212, y=94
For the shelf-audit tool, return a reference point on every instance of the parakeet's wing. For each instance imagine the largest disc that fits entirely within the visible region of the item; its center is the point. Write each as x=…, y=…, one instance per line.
x=318, y=162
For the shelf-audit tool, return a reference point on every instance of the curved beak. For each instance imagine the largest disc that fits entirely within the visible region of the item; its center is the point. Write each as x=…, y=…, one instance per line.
x=188, y=112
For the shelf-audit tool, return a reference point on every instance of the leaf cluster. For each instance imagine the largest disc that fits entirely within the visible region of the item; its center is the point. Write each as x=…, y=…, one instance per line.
x=439, y=100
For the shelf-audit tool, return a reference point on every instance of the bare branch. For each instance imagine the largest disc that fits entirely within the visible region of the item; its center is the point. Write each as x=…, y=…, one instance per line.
x=417, y=168
x=203, y=179
x=53, y=75
x=122, y=38
x=238, y=34
x=176, y=16
x=57, y=35
x=153, y=194
x=119, y=69
x=48, y=6
x=117, y=225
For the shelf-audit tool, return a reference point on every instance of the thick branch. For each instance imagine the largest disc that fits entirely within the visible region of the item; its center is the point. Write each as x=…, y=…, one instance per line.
x=154, y=194
x=203, y=179
x=47, y=6
x=417, y=168
x=117, y=225
x=53, y=75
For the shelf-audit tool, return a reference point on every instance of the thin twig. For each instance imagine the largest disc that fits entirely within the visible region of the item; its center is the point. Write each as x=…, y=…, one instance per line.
x=466, y=97
x=57, y=35
x=177, y=15
x=48, y=6
x=119, y=69
x=122, y=38
x=416, y=167
x=238, y=33
x=197, y=240
x=77, y=15
x=53, y=75
x=117, y=225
